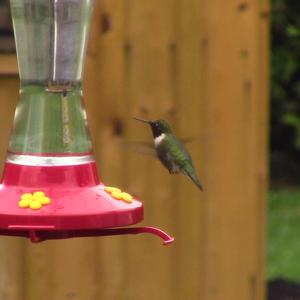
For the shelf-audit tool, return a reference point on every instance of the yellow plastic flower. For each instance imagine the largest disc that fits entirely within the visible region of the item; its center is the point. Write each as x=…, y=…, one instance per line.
x=110, y=189
x=34, y=201
x=117, y=194
x=127, y=197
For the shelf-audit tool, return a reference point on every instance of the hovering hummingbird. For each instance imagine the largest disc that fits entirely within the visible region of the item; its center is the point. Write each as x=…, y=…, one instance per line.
x=171, y=151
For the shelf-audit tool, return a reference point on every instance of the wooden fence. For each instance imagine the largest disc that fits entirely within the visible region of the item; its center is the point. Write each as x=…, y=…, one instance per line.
x=203, y=65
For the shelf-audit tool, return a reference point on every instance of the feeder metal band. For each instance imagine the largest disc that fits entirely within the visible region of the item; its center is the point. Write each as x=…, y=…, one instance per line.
x=31, y=160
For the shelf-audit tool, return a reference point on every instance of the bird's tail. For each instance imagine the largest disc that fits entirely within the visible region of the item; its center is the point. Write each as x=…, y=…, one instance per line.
x=195, y=179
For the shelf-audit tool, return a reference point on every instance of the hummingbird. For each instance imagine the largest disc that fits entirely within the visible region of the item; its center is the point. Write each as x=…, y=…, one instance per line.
x=171, y=151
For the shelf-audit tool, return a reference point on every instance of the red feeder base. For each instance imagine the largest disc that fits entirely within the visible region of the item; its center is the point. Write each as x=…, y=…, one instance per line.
x=79, y=205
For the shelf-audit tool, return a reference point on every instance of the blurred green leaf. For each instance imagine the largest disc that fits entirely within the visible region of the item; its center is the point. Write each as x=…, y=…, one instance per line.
x=285, y=82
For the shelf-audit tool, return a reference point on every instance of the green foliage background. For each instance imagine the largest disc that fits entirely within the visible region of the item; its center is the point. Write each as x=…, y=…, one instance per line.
x=285, y=92
x=283, y=235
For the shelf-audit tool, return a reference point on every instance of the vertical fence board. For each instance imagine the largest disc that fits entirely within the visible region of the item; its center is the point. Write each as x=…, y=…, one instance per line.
x=188, y=91
x=11, y=249
x=149, y=95
x=234, y=221
x=11, y=268
x=106, y=109
x=9, y=88
x=263, y=53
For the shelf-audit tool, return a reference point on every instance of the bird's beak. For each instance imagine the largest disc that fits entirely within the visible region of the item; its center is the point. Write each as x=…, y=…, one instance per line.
x=142, y=120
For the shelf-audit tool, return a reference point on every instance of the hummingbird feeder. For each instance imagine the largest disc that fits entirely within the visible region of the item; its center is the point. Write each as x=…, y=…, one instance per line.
x=50, y=188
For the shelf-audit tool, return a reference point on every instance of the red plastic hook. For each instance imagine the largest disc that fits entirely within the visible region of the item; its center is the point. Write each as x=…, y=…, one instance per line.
x=37, y=236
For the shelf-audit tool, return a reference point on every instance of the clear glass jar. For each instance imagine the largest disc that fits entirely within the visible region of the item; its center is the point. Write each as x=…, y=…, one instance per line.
x=50, y=119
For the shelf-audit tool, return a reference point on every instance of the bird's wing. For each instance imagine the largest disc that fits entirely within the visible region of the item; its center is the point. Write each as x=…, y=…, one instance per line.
x=186, y=165
x=178, y=150
x=144, y=148
x=190, y=172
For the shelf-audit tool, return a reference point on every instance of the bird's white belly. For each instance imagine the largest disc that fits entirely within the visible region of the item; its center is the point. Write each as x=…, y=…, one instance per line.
x=159, y=139
x=173, y=167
